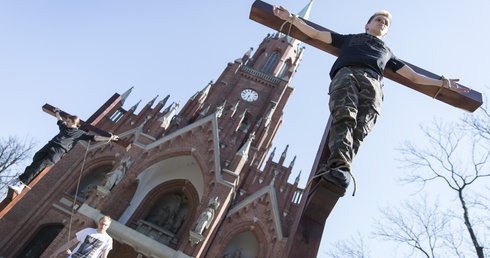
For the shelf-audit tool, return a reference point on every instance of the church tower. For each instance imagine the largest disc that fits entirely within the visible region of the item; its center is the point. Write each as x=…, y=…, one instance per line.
x=195, y=182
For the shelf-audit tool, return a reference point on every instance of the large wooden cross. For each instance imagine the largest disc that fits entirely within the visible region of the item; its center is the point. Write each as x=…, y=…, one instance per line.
x=321, y=196
x=12, y=198
x=86, y=126
x=262, y=13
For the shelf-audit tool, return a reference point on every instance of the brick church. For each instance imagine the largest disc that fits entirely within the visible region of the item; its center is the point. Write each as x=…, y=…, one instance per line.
x=197, y=180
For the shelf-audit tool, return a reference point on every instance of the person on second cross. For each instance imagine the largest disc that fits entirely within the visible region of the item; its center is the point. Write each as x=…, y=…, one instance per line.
x=92, y=242
x=54, y=150
x=356, y=87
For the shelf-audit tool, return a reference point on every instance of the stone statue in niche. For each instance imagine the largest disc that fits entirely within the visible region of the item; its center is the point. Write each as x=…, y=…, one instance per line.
x=207, y=216
x=238, y=253
x=85, y=193
x=178, y=223
x=163, y=216
x=169, y=212
x=180, y=210
x=117, y=175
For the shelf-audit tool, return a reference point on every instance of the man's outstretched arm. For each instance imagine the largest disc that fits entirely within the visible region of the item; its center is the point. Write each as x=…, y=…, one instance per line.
x=99, y=138
x=415, y=77
x=311, y=32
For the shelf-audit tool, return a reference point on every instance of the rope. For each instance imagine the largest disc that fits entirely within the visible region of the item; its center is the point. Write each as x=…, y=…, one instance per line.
x=76, y=192
x=446, y=83
x=110, y=138
x=323, y=173
x=291, y=20
x=355, y=183
x=78, y=185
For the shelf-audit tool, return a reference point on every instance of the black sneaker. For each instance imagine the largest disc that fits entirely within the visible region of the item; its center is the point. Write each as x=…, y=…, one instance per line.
x=338, y=177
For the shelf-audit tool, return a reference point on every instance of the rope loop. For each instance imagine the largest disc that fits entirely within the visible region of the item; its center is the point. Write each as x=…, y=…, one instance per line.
x=327, y=171
x=290, y=20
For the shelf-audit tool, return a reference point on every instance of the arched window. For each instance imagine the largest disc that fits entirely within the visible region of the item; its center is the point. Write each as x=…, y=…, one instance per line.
x=41, y=241
x=244, y=244
x=117, y=115
x=271, y=63
x=284, y=69
x=245, y=125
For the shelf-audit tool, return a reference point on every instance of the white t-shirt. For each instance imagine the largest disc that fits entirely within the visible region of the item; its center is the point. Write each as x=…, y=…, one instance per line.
x=91, y=244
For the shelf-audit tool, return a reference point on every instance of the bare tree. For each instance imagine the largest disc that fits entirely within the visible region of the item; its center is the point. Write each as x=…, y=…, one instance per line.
x=479, y=122
x=457, y=157
x=421, y=225
x=454, y=159
x=355, y=247
x=13, y=152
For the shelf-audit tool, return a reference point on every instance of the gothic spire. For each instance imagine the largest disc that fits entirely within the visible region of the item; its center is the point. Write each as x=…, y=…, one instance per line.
x=125, y=95
x=272, y=153
x=269, y=114
x=164, y=101
x=220, y=109
x=246, y=56
x=297, y=178
x=292, y=162
x=152, y=101
x=133, y=108
x=168, y=117
x=285, y=151
x=305, y=13
x=244, y=149
x=204, y=92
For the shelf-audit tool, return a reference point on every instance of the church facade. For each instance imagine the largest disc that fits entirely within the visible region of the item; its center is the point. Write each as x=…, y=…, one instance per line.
x=197, y=181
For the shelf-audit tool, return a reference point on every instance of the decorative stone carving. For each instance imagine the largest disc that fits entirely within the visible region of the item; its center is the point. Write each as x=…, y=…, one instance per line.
x=204, y=221
x=117, y=175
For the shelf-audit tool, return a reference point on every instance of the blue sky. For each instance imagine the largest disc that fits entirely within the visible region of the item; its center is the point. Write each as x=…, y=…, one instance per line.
x=76, y=54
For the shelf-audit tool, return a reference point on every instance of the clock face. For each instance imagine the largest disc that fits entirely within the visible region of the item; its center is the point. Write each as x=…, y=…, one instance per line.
x=249, y=95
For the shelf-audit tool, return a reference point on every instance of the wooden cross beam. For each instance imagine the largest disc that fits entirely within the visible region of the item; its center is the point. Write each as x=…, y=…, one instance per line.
x=87, y=126
x=262, y=13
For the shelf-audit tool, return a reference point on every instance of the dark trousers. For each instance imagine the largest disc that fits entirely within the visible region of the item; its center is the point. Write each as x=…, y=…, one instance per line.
x=45, y=157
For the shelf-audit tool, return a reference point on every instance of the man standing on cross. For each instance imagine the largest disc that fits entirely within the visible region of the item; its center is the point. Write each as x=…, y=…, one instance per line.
x=356, y=87
x=54, y=150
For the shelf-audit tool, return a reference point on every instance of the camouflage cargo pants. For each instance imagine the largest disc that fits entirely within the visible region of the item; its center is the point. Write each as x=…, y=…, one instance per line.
x=355, y=104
